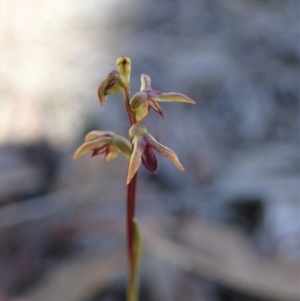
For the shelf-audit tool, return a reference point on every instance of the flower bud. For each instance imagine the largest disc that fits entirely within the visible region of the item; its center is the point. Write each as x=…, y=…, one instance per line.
x=124, y=67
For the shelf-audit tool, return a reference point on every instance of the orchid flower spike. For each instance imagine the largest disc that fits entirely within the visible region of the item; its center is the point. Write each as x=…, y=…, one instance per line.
x=147, y=98
x=143, y=146
x=112, y=84
x=107, y=144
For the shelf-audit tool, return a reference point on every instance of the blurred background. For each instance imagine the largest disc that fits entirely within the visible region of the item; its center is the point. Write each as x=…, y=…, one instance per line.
x=226, y=229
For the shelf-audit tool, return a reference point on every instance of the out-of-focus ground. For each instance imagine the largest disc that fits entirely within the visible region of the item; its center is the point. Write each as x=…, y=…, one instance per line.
x=226, y=229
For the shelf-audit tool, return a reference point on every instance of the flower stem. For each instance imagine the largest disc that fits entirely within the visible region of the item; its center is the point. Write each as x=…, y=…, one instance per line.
x=132, y=287
x=131, y=188
x=131, y=115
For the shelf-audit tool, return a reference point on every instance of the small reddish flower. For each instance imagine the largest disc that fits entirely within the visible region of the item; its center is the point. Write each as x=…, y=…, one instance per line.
x=143, y=146
x=107, y=144
x=147, y=98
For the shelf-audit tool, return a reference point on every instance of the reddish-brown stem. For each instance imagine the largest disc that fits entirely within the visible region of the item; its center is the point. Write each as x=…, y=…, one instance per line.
x=131, y=189
x=128, y=109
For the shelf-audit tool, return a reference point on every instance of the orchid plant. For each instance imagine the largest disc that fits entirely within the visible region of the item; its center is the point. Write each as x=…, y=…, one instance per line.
x=137, y=150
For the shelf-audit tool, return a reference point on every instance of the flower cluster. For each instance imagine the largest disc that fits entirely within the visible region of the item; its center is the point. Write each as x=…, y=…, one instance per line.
x=142, y=144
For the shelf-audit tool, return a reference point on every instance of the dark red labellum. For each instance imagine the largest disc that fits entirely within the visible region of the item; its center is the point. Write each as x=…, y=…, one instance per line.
x=149, y=159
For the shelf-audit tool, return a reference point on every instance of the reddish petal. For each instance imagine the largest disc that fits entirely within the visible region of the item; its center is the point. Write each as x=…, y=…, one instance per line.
x=99, y=151
x=149, y=159
x=155, y=106
x=94, y=153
